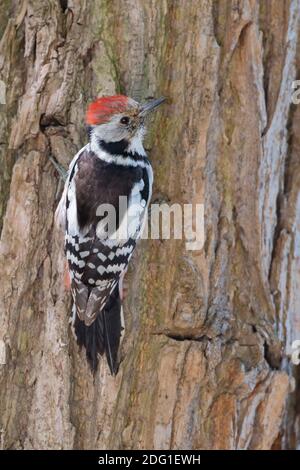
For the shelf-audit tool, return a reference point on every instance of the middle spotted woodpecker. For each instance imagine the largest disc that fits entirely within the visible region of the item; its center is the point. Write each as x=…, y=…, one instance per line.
x=111, y=168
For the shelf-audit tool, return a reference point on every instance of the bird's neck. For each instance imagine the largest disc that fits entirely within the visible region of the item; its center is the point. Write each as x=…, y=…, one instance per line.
x=122, y=152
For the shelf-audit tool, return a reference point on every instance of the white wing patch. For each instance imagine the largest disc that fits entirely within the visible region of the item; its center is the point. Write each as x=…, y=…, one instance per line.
x=145, y=215
x=73, y=227
x=130, y=225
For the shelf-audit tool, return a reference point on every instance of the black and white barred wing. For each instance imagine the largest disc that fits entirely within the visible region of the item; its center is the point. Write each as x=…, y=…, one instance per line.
x=95, y=269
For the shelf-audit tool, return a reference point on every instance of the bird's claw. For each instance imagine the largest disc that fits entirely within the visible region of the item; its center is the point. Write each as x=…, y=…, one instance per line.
x=61, y=170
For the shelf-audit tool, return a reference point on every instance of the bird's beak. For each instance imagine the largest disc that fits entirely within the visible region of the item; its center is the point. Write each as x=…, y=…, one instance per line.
x=150, y=106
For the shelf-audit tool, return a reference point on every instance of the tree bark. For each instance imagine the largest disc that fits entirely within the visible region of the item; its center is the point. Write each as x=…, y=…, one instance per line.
x=206, y=356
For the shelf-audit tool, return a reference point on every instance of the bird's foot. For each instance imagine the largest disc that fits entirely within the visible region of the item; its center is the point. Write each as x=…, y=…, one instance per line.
x=60, y=169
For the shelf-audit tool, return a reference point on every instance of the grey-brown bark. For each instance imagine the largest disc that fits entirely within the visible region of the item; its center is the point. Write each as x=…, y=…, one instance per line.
x=205, y=359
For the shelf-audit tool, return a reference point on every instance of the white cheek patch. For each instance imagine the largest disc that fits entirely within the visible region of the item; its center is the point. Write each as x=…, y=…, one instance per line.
x=111, y=131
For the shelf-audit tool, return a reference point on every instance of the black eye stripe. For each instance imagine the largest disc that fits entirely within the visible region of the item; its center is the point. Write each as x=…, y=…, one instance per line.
x=125, y=120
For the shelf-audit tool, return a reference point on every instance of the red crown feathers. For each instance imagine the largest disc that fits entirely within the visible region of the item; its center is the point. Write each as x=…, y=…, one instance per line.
x=103, y=108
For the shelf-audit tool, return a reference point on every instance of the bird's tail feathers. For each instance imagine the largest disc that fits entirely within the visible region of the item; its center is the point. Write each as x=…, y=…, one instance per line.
x=103, y=335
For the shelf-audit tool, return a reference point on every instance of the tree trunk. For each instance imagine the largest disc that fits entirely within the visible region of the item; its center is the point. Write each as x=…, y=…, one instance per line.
x=205, y=360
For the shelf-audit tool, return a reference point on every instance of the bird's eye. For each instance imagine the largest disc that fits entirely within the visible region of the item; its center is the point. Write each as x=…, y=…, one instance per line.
x=125, y=120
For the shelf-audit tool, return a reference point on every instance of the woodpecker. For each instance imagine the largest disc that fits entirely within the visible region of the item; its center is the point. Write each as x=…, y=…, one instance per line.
x=112, y=167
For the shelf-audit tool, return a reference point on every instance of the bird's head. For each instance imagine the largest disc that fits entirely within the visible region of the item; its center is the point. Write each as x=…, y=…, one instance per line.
x=119, y=118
